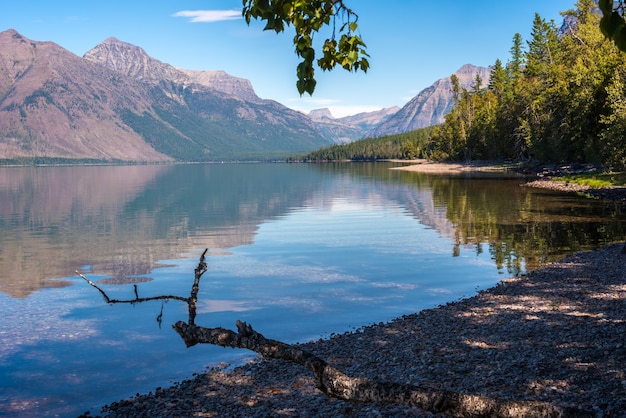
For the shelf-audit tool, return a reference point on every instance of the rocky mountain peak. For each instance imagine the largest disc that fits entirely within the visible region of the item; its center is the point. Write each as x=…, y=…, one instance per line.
x=320, y=114
x=224, y=82
x=115, y=41
x=10, y=33
x=58, y=105
x=467, y=74
x=467, y=69
x=431, y=105
x=132, y=61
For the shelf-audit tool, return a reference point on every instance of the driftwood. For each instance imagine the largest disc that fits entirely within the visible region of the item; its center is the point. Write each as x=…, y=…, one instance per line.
x=191, y=301
x=335, y=383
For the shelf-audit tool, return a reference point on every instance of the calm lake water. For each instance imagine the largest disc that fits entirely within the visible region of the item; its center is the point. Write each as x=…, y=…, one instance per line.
x=299, y=251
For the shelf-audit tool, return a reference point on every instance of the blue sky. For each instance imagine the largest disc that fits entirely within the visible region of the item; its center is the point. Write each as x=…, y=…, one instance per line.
x=412, y=43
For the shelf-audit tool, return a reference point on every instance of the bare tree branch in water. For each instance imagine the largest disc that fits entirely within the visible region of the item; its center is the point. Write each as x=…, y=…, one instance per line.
x=132, y=301
x=191, y=301
x=335, y=383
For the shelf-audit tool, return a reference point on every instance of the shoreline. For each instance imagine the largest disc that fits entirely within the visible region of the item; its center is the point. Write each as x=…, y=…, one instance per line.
x=540, y=178
x=429, y=167
x=554, y=335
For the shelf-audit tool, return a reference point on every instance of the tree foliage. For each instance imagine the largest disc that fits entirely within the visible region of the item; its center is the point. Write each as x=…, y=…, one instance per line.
x=346, y=49
x=560, y=98
x=613, y=23
x=343, y=48
x=410, y=145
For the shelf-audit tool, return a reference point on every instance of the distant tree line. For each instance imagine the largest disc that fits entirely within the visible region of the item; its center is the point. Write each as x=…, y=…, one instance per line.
x=406, y=146
x=561, y=97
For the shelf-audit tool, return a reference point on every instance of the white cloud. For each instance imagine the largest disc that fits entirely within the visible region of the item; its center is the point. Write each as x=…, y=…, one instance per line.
x=208, y=16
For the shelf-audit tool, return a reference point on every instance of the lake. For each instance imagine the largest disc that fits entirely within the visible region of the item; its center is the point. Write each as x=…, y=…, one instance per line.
x=300, y=251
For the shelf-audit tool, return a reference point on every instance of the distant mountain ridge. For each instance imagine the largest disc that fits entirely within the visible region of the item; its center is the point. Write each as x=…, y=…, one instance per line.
x=427, y=108
x=348, y=128
x=134, y=62
x=224, y=82
x=430, y=105
x=119, y=104
x=49, y=107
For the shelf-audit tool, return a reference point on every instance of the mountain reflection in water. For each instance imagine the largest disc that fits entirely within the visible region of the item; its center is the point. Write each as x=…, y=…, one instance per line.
x=120, y=220
x=298, y=250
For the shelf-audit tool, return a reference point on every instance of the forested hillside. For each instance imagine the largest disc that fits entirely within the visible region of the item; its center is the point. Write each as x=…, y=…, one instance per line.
x=408, y=145
x=561, y=97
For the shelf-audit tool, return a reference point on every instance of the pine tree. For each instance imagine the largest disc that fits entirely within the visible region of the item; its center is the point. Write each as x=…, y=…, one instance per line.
x=516, y=64
x=498, y=79
x=542, y=48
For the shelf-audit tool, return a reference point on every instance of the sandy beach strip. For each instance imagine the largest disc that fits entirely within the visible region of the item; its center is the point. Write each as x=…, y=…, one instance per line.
x=430, y=167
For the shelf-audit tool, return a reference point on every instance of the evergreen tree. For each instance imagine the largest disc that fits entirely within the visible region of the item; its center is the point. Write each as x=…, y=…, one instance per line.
x=542, y=48
x=539, y=125
x=498, y=79
x=516, y=64
x=510, y=126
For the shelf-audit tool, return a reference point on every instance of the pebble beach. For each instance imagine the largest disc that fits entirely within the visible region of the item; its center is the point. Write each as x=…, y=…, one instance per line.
x=555, y=335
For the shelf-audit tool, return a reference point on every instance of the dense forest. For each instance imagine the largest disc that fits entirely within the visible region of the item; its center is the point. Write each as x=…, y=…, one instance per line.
x=408, y=146
x=560, y=97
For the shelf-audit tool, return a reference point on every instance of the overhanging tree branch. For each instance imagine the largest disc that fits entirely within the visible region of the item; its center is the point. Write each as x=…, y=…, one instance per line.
x=613, y=22
x=307, y=18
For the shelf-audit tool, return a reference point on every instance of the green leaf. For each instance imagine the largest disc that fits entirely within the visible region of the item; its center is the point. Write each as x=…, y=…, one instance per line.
x=287, y=9
x=310, y=86
x=365, y=65
x=300, y=86
x=620, y=38
x=613, y=27
x=308, y=18
x=611, y=24
x=606, y=6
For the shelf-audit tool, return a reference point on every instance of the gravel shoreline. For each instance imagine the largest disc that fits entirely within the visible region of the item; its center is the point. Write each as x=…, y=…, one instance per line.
x=614, y=193
x=557, y=334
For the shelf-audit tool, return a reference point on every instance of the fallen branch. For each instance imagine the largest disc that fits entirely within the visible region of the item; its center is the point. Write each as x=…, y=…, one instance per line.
x=137, y=298
x=191, y=301
x=335, y=383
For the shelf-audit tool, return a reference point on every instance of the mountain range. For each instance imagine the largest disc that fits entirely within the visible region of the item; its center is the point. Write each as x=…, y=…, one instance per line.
x=431, y=105
x=116, y=103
